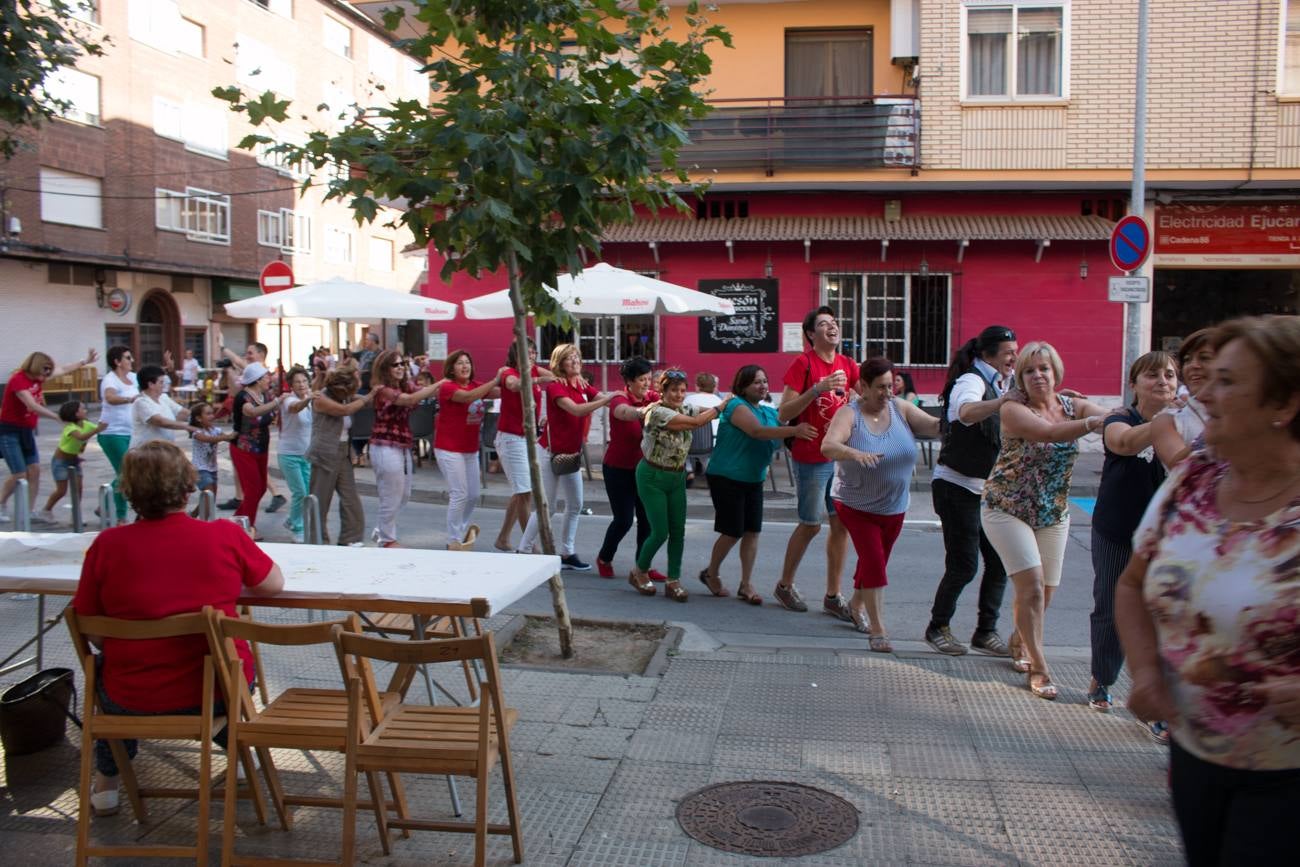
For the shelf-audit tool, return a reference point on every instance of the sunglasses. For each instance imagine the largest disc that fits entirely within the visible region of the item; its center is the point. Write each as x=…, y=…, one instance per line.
x=398, y=363
x=674, y=375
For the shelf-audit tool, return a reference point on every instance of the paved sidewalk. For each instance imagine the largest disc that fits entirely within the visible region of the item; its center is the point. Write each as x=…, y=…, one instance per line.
x=948, y=762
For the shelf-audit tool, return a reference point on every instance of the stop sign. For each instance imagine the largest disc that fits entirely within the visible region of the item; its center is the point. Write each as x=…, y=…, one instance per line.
x=276, y=276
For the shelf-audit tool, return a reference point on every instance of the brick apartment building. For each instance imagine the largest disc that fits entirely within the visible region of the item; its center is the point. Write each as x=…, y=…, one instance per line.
x=928, y=167
x=135, y=217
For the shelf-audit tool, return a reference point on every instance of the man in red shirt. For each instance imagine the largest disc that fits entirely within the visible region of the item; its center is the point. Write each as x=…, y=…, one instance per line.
x=817, y=384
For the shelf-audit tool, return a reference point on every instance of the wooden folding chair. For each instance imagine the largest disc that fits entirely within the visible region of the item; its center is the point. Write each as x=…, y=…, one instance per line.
x=298, y=719
x=98, y=724
x=390, y=624
x=460, y=741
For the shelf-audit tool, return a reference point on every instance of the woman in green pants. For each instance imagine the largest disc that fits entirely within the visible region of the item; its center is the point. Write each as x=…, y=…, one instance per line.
x=117, y=391
x=661, y=480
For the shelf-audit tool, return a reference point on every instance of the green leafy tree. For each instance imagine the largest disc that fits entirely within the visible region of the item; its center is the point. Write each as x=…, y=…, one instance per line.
x=36, y=40
x=550, y=120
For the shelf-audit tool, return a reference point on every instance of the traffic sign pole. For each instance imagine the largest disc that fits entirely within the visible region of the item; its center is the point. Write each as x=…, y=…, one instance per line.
x=1138, y=193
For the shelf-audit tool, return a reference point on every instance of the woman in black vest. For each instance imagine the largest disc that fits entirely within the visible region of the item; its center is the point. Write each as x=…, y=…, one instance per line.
x=976, y=388
x=1129, y=478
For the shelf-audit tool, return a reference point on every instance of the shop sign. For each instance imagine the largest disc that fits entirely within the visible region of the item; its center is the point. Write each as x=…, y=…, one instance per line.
x=1228, y=235
x=119, y=301
x=753, y=327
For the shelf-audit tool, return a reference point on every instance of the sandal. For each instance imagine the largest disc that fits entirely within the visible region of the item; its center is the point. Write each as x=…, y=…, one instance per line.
x=675, y=591
x=643, y=585
x=1099, y=698
x=1020, y=663
x=1046, y=689
x=860, y=621
x=879, y=644
x=710, y=581
x=745, y=594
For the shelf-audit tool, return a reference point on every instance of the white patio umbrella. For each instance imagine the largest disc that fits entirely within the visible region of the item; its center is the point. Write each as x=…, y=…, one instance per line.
x=603, y=290
x=338, y=298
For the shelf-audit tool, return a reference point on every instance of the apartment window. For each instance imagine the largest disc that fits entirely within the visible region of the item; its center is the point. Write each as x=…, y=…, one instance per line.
x=1015, y=50
x=159, y=24
x=380, y=256
x=338, y=246
x=902, y=316
x=78, y=91
x=338, y=37
x=279, y=7
x=415, y=82
x=827, y=63
x=189, y=37
x=1290, y=83
x=300, y=170
x=258, y=66
x=84, y=10
x=201, y=214
x=381, y=60
x=71, y=199
x=201, y=128
x=168, y=118
x=285, y=229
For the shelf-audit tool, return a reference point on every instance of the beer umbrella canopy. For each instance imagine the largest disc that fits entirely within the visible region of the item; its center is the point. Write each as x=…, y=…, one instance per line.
x=603, y=290
x=338, y=298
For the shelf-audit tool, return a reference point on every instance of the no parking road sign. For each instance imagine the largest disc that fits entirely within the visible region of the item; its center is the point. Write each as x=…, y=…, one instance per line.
x=1130, y=242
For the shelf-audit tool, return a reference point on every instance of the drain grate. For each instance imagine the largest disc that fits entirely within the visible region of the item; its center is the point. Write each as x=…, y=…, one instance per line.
x=767, y=818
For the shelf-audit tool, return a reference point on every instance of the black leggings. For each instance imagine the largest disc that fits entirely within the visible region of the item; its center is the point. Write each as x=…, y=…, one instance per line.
x=1229, y=816
x=620, y=487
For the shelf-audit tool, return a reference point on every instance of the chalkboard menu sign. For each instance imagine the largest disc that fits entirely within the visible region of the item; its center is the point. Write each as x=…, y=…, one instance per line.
x=753, y=328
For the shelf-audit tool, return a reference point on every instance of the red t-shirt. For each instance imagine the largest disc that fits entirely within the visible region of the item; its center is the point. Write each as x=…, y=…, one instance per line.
x=803, y=374
x=153, y=569
x=459, y=424
x=12, y=410
x=564, y=430
x=624, y=449
x=392, y=425
x=512, y=403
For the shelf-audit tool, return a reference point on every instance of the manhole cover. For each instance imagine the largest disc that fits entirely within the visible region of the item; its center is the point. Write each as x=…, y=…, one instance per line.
x=767, y=818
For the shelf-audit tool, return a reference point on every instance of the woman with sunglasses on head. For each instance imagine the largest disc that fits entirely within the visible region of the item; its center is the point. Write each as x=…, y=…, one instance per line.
x=661, y=480
x=22, y=405
x=456, y=439
x=390, y=439
x=570, y=401
x=1177, y=431
x=749, y=434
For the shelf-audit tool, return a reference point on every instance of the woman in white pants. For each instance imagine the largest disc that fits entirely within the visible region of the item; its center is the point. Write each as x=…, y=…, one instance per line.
x=569, y=401
x=456, y=442
x=390, y=439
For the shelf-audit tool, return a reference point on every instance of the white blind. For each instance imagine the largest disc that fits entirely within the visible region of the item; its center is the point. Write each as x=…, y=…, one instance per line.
x=71, y=198
x=988, y=21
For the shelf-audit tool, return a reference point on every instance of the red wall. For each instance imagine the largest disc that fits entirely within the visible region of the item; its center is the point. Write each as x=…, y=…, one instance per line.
x=996, y=283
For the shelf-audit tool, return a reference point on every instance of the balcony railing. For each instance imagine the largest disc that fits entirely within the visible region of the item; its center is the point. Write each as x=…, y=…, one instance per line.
x=864, y=132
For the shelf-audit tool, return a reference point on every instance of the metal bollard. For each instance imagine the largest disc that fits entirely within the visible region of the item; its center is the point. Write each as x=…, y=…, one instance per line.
x=244, y=524
x=312, y=532
x=74, y=491
x=107, y=506
x=22, y=508
x=207, y=506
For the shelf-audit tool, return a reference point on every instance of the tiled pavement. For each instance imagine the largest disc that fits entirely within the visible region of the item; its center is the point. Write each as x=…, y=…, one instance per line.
x=948, y=761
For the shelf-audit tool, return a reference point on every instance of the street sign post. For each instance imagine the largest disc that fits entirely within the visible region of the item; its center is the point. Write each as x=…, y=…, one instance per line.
x=1130, y=290
x=1130, y=243
x=276, y=276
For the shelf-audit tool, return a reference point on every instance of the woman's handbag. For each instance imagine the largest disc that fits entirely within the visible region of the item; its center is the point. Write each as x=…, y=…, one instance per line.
x=34, y=712
x=564, y=465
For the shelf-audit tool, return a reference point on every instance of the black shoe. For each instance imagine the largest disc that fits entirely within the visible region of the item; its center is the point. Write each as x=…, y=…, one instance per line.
x=572, y=562
x=276, y=502
x=231, y=504
x=990, y=643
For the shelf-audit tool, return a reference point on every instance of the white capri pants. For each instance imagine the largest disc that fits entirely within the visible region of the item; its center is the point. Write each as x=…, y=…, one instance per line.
x=570, y=488
x=512, y=451
x=1021, y=547
x=392, y=484
x=460, y=469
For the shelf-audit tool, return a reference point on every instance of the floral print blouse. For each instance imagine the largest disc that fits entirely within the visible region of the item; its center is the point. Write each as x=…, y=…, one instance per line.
x=663, y=447
x=1031, y=481
x=1225, y=599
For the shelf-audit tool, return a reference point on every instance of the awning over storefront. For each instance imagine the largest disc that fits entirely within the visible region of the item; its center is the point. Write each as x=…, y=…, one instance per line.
x=224, y=291
x=935, y=228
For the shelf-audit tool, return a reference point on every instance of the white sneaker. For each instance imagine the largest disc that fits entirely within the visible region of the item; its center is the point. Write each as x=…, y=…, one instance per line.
x=105, y=803
x=44, y=516
x=4, y=515
x=356, y=544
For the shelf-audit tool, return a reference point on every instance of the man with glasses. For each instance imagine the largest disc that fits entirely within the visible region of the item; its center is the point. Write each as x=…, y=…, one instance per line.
x=817, y=384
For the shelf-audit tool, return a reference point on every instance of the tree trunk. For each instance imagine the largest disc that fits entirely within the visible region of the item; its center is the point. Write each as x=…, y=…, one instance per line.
x=540, y=505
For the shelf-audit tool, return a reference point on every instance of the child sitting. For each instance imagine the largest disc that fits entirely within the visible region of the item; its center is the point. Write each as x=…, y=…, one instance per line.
x=72, y=442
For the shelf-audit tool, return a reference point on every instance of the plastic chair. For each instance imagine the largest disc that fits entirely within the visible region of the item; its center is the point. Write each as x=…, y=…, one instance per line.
x=461, y=741
x=421, y=421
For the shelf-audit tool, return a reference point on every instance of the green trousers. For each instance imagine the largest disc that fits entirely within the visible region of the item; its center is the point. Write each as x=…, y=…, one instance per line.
x=663, y=494
x=115, y=446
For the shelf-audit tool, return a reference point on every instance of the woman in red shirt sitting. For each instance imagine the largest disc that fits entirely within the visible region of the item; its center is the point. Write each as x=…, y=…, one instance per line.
x=390, y=438
x=23, y=403
x=569, y=401
x=456, y=442
x=131, y=573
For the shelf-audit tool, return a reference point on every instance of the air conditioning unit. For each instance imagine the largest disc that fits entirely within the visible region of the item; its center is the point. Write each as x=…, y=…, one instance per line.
x=904, y=30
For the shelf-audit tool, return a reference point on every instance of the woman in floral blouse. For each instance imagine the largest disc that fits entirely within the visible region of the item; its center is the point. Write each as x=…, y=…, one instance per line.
x=1208, y=609
x=661, y=480
x=1026, y=508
